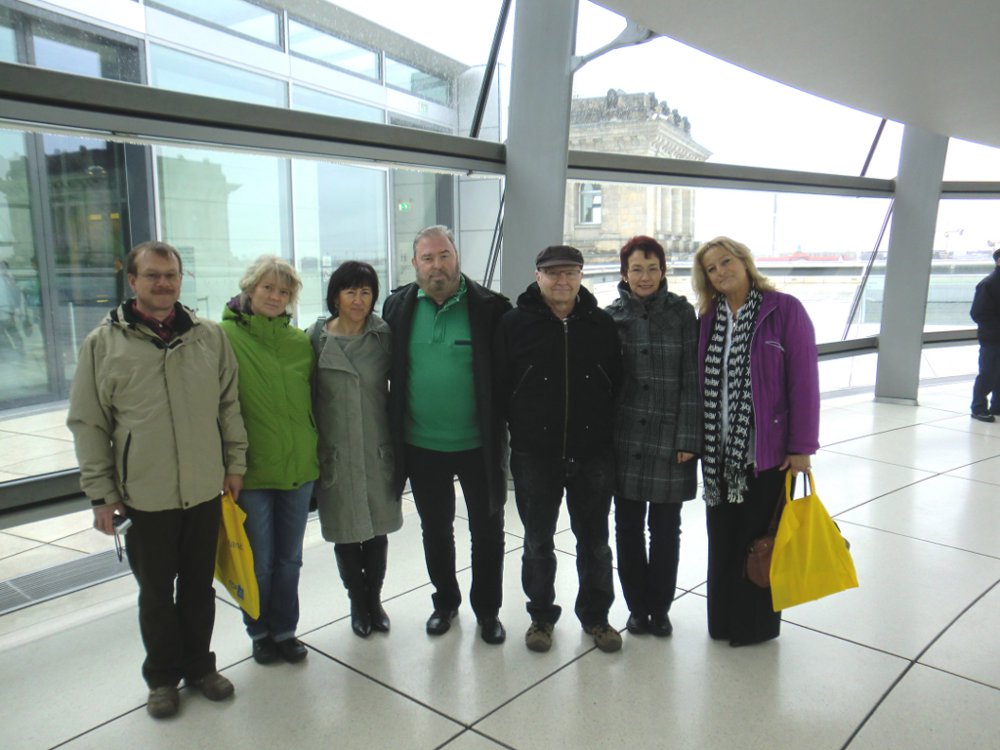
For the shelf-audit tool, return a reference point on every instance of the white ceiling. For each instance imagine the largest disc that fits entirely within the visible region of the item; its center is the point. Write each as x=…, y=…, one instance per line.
x=930, y=63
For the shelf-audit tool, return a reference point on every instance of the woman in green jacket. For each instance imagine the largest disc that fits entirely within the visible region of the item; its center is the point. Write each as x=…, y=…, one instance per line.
x=358, y=503
x=275, y=366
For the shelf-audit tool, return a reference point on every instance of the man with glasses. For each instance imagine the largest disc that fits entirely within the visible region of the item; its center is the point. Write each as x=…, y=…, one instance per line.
x=558, y=366
x=155, y=416
x=445, y=424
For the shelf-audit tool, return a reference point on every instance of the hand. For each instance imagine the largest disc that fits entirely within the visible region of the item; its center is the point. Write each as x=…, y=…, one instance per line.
x=796, y=463
x=104, y=517
x=683, y=456
x=232, y=484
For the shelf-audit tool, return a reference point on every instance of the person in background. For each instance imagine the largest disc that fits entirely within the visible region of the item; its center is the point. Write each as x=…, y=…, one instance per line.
x=760, y=381
x=986, y=313
x=155, y=416
x=359, y=504
x=445, y=424
x=276, y=363
x=558, y=368
x=657, y=432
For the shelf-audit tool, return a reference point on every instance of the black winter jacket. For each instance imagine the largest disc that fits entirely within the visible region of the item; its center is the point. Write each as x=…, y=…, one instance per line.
x=485, y=309
x=986, y=308
x=557, y=380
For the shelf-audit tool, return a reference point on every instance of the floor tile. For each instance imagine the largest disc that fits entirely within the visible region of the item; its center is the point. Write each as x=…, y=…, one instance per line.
x=965, y=423
x=88, y=540
x=7, y=476
x=943, y=509
x=783, y=694
x=930, y=710
x=470, y=740
x=910, y=591
x=56, y=528
x=969, y=648
x=34, y=559
x=30, y=424
x=845, y=481
x=924, y=447
x=60, y=458
x=25, y=447
x=11, y=544
x=981, y=471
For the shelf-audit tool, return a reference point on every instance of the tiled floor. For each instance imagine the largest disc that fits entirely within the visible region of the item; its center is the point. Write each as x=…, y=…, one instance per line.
x=911, y=659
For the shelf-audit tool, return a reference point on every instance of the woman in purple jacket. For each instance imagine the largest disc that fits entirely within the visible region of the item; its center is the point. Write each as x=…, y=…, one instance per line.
x=760, y=380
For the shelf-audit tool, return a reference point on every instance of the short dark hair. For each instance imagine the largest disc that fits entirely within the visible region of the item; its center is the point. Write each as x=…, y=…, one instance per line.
x=157, y=248
x=351, y=274
x=642, y=243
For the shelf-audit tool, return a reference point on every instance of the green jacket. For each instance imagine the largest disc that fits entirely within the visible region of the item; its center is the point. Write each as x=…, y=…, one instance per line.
x=156, y=425
x=276, y=362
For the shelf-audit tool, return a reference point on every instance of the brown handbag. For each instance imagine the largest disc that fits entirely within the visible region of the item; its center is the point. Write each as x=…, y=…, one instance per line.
x=758, y=563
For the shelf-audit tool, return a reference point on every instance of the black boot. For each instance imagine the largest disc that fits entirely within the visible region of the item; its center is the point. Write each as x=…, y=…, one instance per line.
x=376, y=552
x=350, y=565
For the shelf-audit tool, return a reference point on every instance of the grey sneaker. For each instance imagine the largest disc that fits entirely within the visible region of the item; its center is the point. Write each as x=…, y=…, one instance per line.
x=605, y=637
x=214, y=686
x=163, y=702
x=539, y=636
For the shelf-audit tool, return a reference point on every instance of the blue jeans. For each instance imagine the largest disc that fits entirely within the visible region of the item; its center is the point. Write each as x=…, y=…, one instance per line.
x=539, y=482
x=276, y=526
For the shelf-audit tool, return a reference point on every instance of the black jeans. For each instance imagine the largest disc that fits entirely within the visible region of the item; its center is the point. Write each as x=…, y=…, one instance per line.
x=648, y=582
x=539, y=482
x=167, y=547
x=738, y=610
x=432, y=479
x=987, y=381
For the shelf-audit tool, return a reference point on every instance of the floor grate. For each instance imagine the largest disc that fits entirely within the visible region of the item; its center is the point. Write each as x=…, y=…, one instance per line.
x=65, y=578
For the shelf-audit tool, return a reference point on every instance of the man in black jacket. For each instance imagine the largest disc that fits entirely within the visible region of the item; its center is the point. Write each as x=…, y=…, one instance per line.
x=558, y=366
x=444, y=424
x=986, y=312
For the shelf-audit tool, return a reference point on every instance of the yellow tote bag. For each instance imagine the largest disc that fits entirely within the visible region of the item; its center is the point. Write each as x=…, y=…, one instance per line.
x=234, y=559
x=810, y=559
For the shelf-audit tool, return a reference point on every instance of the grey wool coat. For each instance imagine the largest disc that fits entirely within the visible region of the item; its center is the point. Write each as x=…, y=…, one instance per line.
x=659, y=410
x=355, y=492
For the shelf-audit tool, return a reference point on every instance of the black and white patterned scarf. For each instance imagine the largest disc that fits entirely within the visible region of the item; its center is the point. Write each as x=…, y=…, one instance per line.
x=728, y=462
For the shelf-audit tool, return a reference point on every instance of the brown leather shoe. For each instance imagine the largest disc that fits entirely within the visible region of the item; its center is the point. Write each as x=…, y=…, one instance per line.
x=214, y=686
x=163, y=702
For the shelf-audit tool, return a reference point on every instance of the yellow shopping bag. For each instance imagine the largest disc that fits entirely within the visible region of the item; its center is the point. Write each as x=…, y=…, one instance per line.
x=810, y=559
x=234, y=558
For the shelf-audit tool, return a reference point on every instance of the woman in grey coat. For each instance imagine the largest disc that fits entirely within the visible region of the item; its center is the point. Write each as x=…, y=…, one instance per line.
x=358, y=505
x=657, y=432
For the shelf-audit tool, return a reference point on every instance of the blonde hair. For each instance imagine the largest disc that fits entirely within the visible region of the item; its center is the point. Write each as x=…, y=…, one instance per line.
x=271, y=265
x=703, y=288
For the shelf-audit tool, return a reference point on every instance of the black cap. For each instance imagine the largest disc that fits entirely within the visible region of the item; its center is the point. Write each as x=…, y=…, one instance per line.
x=559, y=255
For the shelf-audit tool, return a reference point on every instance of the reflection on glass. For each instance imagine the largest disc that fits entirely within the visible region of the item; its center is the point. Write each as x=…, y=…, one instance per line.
x=241, y=17
x=340, y=214
x=194, y=75
x=418, y=82
x=221, y=211
x=8, y=43
x=326, y=48
x=311, y=100
x=737, y=116
x=419, y=199
x=82, y=53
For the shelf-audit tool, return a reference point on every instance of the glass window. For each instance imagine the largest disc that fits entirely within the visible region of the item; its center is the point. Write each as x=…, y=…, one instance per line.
x=83, y=53
x=967, y=161
x=709, y=109
x=418, y=82
x=8, y=41
x=419, y=199
x=178, y=71
x=326, y=48
x=589, y=203
x=310, y=100
x=246, y=19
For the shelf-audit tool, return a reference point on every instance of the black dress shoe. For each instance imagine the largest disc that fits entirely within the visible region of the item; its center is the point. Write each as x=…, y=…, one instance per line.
x=637, y=624
x=291, y=649
x=492, y=631
x=983, y=417
x=361, y=621
x=439, y=622
x=660, y=626
x=264, y=651
x=379, y=619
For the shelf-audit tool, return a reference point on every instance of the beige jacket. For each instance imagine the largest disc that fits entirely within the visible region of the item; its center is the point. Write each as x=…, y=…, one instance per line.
x=156, y=426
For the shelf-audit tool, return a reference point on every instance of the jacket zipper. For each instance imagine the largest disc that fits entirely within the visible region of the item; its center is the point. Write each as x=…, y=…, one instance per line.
x=565, y=324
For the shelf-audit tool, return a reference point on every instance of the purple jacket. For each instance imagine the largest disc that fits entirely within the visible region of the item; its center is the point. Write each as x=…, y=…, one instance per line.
x=784, y=378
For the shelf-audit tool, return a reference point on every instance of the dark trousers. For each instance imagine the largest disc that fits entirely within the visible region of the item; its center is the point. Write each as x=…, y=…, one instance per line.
x=738, y=610
x=432, y=479
x=987, y=381
x=171, y=548
x=648, y=580
x=539, y=482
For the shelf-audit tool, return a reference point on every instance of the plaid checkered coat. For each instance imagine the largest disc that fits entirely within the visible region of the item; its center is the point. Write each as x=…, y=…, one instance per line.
x=659, y=407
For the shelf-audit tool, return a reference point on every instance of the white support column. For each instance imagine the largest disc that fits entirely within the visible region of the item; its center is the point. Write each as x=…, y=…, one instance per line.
x=538, y=136
x=908, y=268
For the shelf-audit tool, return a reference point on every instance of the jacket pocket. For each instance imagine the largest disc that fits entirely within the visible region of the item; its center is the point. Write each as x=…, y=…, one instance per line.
x=125, y=452
x=387, y=457
x=521, y=382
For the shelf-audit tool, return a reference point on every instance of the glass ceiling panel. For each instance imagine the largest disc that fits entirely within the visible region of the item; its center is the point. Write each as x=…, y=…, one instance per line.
x=970, y=162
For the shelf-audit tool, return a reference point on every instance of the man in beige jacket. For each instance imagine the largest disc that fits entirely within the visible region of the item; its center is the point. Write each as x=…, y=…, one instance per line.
x=155, y=416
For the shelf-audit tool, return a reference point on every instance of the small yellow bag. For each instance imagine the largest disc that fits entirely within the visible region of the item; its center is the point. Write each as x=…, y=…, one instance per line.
x=234, y=558
x=810, y=559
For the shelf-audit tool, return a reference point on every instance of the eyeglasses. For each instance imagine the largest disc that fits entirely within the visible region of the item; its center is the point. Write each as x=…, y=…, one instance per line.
x=568, y=275
x=170, y=277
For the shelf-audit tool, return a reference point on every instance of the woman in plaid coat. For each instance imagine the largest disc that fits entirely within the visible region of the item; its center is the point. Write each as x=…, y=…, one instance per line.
x=657, y=432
